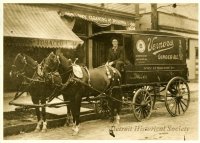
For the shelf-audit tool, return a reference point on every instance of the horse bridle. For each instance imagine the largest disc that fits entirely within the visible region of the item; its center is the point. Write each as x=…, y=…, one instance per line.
x=51, y=74
x=22, y=71
x=70, y=69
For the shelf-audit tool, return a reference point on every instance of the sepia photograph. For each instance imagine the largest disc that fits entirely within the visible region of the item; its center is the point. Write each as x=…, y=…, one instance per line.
x=100, y=71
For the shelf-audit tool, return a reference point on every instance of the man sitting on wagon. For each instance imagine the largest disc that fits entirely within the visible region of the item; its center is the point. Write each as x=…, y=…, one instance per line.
x=116, y=56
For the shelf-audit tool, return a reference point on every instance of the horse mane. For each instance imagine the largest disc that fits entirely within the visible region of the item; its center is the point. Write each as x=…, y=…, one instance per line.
x=28, y=58
x=64, y=61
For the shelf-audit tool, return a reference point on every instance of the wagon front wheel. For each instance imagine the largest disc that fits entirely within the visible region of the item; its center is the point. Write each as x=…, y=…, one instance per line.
x=142, y=104
x=177, y=96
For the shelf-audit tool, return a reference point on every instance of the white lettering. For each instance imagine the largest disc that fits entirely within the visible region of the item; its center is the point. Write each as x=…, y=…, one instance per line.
x=157, y=47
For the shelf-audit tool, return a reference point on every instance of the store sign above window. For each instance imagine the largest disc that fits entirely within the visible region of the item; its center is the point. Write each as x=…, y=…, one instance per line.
x=42, y=43
x=101, y=19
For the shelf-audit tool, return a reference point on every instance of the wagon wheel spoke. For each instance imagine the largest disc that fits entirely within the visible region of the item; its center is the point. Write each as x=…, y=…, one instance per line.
x=182, y=107
x=142, y=104
x=185, y=94
x=175, y=109
x=171, y=95
x=179, y=109
x=137, y=108
x=178, y=89
x=187, y=100
x=138, y=100
x=183, y=103
x=146, y=99
x=144, y=96
x=147, y=102
x=147, y=110
x=144, y=115
x=140, y=112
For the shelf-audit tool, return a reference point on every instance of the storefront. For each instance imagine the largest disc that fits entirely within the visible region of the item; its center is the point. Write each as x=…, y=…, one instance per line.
x=88, y=20
x=35, y=31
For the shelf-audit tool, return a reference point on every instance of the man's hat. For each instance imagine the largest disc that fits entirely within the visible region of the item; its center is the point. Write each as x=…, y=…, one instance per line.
x=114, y=40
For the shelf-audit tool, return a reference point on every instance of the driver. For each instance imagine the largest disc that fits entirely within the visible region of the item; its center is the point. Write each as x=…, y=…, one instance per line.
x=116, y=56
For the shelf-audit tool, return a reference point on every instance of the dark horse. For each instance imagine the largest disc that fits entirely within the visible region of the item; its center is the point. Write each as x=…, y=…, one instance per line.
x=27, y=70
x=79, y=82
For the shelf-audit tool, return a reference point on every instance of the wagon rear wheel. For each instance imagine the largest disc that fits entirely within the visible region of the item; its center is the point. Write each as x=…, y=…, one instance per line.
x=142, y=104
x=177, y=96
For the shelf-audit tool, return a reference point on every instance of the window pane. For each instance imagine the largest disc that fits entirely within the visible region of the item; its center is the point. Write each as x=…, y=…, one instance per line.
x=80, y=27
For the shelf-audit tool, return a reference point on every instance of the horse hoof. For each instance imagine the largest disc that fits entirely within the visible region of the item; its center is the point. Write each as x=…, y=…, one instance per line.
x=70, y=124
x=37, y=130
x=73, y=128
x=117, y=122
x=66, y=124
x=75, y=133
x=44, y=130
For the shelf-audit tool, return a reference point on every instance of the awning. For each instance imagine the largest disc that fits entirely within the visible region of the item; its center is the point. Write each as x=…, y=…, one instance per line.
x=37, y=27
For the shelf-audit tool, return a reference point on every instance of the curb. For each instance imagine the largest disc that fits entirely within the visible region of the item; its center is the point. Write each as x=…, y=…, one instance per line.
x=53, y=123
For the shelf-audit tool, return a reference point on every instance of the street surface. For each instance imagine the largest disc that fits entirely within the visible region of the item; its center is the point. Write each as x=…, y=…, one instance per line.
x=160, y=126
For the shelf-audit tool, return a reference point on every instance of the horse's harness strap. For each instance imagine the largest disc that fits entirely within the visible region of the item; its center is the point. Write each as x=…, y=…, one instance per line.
x=85, y=84
x=89, y=80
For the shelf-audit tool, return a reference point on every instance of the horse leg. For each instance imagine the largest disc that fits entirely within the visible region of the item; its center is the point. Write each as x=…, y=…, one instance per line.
x=37, y=110
x=117, y=105
x=78, y=99
x=73, y=111
x=44, y=128
x=69, y=115
x=40, y=121
x=117, y=114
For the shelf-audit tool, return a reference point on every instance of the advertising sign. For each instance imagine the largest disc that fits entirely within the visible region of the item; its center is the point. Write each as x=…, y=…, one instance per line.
x=152, y=49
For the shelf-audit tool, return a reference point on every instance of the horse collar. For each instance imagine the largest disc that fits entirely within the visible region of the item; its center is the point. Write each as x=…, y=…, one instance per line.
x=77, y=71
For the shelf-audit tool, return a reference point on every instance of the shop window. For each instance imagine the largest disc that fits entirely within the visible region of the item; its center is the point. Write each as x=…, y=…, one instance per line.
x=80, y=27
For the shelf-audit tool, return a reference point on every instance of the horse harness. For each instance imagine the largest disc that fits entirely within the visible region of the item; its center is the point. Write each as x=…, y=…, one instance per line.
x=77, y=75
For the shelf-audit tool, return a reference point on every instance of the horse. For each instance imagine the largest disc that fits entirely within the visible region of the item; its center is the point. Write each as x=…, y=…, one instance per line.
x=25, y=69
x=23, y=65
x=80, y=82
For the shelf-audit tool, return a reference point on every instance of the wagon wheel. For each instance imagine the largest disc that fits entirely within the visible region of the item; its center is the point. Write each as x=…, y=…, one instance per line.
x=142, y=104
x=102, y=108
x=177, y=96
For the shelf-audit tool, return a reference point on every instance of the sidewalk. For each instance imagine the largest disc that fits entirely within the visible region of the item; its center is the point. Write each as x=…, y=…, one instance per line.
x=13, y=126
x=27, y=100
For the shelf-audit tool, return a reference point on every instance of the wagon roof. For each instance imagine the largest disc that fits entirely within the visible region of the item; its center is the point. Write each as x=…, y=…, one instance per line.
x=133, y=32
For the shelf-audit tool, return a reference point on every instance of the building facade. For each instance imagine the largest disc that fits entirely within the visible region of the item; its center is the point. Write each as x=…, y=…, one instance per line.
x=36, y=29
x=181, y=19
x=85, y=19
x=92, y=18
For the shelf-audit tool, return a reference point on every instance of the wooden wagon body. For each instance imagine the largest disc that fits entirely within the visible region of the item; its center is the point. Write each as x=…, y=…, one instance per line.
x=154, y=65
